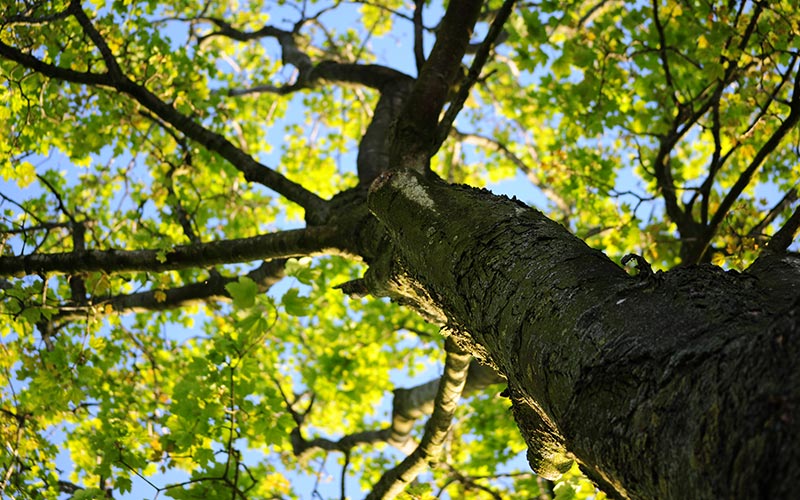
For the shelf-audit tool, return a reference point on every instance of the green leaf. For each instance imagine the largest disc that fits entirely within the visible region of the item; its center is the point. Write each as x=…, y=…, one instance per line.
x=248, y=322
x=302, y=270
x=565, y=491
x=89, y=494
x=243, y=292
x=294, y=304
x=124, y=484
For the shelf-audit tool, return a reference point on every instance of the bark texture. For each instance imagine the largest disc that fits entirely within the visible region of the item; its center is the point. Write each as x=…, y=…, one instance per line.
x=669, y=385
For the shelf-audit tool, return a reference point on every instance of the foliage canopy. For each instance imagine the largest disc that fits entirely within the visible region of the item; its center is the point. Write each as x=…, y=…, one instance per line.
x=172, y=165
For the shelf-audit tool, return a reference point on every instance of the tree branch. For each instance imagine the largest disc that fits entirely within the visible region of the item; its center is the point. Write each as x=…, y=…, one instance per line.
x=373, y=148
x=52, y=71
x=373, y=157
x=663, y=176
x=412, y=404
x=11, y=20
x=265, y=276
x=415, y=132
x=685, y=118
x=370, y=75
x=790, y=197
x=78, y=232
x=394, y=86
x=450, y=388
x=785, y=235
x=662, y=52
x=474, y=73
x=298, y=242
x=718, y=160
x=114, y=71
x=253, y=170
x=68, y=488
x=301, y=446
x=419, y=47
x=290, y=53
x=408, y=406
x=744, y=179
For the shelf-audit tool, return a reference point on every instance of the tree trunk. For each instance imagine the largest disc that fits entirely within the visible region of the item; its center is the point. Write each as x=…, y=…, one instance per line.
x=682, y=384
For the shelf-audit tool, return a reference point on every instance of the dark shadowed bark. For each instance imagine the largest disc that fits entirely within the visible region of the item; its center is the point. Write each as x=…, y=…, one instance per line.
x=670, y=385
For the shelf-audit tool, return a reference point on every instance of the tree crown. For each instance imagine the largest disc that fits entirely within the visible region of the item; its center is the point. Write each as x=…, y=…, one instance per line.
x=184, y=202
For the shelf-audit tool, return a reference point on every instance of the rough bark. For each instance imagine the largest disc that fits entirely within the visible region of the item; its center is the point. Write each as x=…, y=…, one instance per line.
x=670, y=385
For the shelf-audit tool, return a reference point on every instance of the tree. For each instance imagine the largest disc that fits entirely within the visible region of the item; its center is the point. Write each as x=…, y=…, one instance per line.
x=139, y=138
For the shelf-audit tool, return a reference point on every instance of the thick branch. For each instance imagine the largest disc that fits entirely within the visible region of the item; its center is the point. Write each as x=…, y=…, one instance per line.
x=394, y=86
x=253, y=170
x=373, y=149
x=474, y=73
x=419, y=46
x=373, y=154
x=52, y=71
x=290, y=52
x=412, y=404
x=717, y=160
x=227, y=30
x=370, y=75
x=455, y=373
x=416, y=128
x=114, y=71
x=266, y=275
x=301, y=447
x=298, y=242
x=408, y=406
x=663, y=175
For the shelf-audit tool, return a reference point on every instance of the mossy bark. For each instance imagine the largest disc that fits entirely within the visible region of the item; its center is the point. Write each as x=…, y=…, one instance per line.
x=682, y=384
